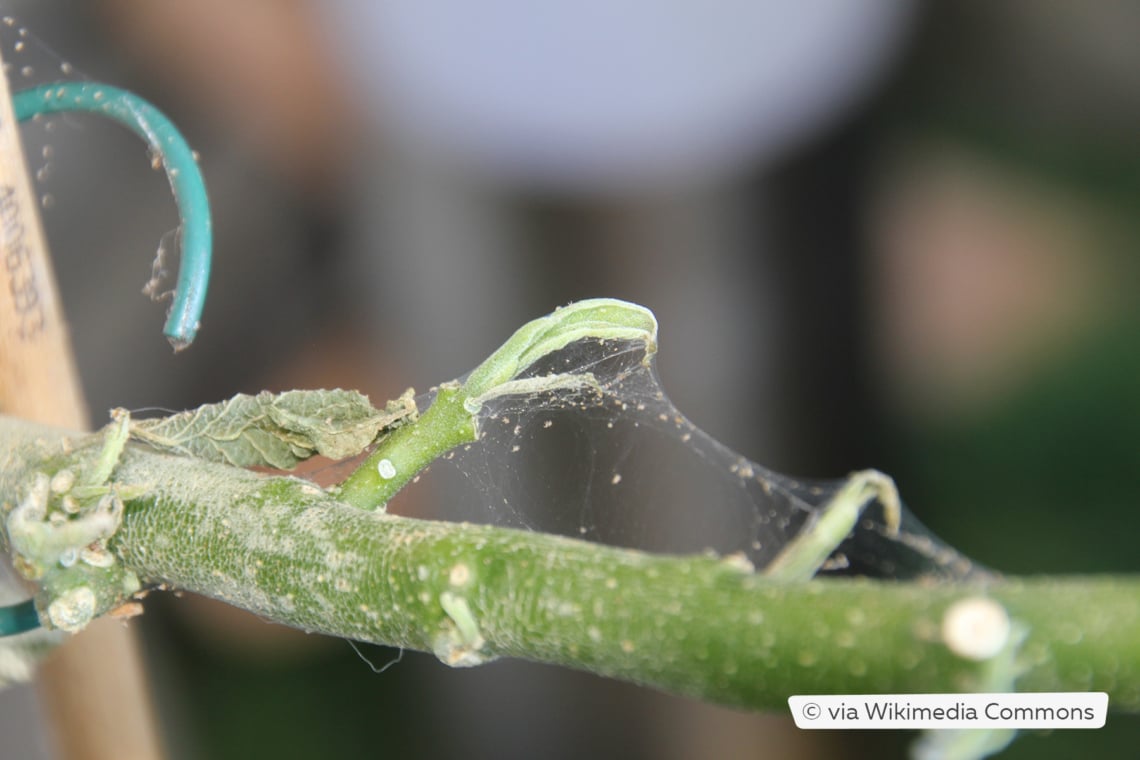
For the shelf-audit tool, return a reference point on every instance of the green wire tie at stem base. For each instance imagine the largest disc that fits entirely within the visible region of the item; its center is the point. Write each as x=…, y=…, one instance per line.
x=181, y=169
x=196, y=236
x=18, y=618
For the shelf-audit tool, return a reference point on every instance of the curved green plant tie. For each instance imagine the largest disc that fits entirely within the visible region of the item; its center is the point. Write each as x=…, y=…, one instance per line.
x=18, y=618
x=181, y=169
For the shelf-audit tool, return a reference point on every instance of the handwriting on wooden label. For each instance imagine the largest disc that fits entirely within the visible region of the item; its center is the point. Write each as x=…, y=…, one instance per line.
x=19, y=268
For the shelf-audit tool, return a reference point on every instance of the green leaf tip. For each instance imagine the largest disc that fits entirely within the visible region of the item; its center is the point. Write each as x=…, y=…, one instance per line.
x=596, y=318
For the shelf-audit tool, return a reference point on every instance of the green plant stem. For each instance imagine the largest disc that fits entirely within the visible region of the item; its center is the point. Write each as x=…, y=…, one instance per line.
x=695, y=625
x=451, y=419
x=409, y=449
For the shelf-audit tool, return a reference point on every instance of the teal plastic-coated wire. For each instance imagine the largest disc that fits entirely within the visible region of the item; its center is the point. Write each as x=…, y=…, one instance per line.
x=18, y=618
x=181, y=169
x=193, y=210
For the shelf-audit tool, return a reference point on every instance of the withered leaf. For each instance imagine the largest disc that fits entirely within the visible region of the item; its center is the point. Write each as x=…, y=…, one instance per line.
x=276, y=430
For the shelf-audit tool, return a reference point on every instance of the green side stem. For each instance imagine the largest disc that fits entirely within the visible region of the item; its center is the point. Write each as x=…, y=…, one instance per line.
x=409, y=449
x=451, y=419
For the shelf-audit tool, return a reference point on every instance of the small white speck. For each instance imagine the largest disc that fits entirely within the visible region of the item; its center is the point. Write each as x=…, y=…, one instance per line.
x=62, y=481
x=97, y=557
x=976, y=628
x=616, y=478
x=73, y=609
x=460, y=575
x=386, y=469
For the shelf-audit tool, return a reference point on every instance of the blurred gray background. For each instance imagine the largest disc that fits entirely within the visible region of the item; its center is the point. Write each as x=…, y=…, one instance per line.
x=874, y=233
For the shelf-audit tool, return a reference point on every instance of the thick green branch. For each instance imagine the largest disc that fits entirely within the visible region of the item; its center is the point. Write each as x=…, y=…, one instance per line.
x=703, y=626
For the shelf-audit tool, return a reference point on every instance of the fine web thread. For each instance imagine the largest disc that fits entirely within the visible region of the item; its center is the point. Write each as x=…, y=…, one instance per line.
x=612, y=460
x=377, y=670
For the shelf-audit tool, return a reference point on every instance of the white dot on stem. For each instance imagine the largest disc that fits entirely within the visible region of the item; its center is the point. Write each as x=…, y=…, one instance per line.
x=976, y=628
